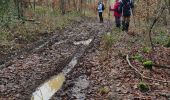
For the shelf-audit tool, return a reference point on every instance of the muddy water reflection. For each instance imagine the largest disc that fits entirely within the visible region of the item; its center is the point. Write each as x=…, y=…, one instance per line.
x=86, y=42
x=46, y=91
x=70, y=66
x=49, y=88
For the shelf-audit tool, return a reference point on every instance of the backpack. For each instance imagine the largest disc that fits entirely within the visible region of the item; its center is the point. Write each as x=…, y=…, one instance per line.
x=117, y=8
x=126, y=5
x=103, y=7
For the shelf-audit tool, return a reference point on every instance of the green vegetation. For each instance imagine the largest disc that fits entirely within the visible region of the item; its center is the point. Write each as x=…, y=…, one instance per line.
x=148, y=64
x=138, y=57
x=29, y=31
x=143, y=87
x=4, y=6
x=108, y=41
x=4, y=35
x=161, y=38
x=146, y=49
x=168, y=43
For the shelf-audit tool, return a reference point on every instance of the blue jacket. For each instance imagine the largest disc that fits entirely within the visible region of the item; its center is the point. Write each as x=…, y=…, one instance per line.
x=100, y=7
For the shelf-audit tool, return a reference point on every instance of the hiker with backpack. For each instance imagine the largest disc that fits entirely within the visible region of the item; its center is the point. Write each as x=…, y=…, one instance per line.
x=116, y=14
x=125, y=8
x=100, y=10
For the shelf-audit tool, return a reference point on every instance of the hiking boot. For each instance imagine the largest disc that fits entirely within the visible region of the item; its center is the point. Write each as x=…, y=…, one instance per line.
x=123, y=25
x=126, y=27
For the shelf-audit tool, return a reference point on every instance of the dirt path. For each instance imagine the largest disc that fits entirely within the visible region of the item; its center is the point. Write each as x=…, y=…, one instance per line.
x=24, y=74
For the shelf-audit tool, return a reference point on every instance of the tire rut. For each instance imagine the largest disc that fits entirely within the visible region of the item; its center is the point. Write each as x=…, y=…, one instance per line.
x=21, y=77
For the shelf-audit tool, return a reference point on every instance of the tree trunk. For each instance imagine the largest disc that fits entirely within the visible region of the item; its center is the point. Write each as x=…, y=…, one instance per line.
x=81, y=6
x=74, y=4
x=18, y=5
x=62, y=6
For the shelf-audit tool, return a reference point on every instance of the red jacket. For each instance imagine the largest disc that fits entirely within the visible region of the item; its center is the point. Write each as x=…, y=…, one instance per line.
x=115, y=9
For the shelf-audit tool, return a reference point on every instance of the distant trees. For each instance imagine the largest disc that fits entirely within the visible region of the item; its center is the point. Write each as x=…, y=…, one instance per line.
x=4, y=5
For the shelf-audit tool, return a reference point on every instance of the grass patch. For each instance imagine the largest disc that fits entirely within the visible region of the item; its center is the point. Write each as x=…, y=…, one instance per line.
x=161, y=38
x=108, y=40
x=45, y=21
x=4, y=36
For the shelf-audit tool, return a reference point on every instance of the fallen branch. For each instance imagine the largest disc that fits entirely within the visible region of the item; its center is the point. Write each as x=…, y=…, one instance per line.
x=167, y=95
x=161, y=66
x=141, y=75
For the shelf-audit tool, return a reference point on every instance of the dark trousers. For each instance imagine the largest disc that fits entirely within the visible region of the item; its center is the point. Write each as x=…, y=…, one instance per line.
x=125, y=23
x=117, y=20
x=101, y=17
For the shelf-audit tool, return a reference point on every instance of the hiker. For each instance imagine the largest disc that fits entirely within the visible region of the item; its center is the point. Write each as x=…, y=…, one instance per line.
x=125, y=8
x=100, y=11
x=116, y=14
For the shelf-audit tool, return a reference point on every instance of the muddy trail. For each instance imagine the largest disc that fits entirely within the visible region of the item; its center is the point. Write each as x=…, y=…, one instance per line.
x=73, y=65
x=22, y=75
x=101, y=77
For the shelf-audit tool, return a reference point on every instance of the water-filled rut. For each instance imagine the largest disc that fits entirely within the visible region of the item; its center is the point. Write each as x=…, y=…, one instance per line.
x=25, y=75
x=50, y=87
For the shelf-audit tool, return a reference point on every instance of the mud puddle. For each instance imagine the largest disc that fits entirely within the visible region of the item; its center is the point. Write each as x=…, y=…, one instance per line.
x=49, y=88
x=86, y=42
x=46, y=91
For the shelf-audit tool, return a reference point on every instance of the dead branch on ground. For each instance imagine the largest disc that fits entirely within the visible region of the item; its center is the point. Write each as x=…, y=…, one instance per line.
x=141, y=75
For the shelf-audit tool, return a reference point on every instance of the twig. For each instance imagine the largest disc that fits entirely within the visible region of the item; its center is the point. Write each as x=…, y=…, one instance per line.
x=142, y=76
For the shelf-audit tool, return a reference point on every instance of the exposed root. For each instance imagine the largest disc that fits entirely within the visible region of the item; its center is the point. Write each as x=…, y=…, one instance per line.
x=141, y=75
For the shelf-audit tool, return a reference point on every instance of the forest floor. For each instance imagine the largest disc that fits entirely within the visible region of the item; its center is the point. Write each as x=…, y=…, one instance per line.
x=96, y=76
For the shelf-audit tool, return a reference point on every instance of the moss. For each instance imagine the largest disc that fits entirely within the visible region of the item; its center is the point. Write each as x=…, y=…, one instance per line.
x=104, y=89
x=143, y=87
x=148, y=64
x=168, y=44
x=138, y=57
x=146, y=49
